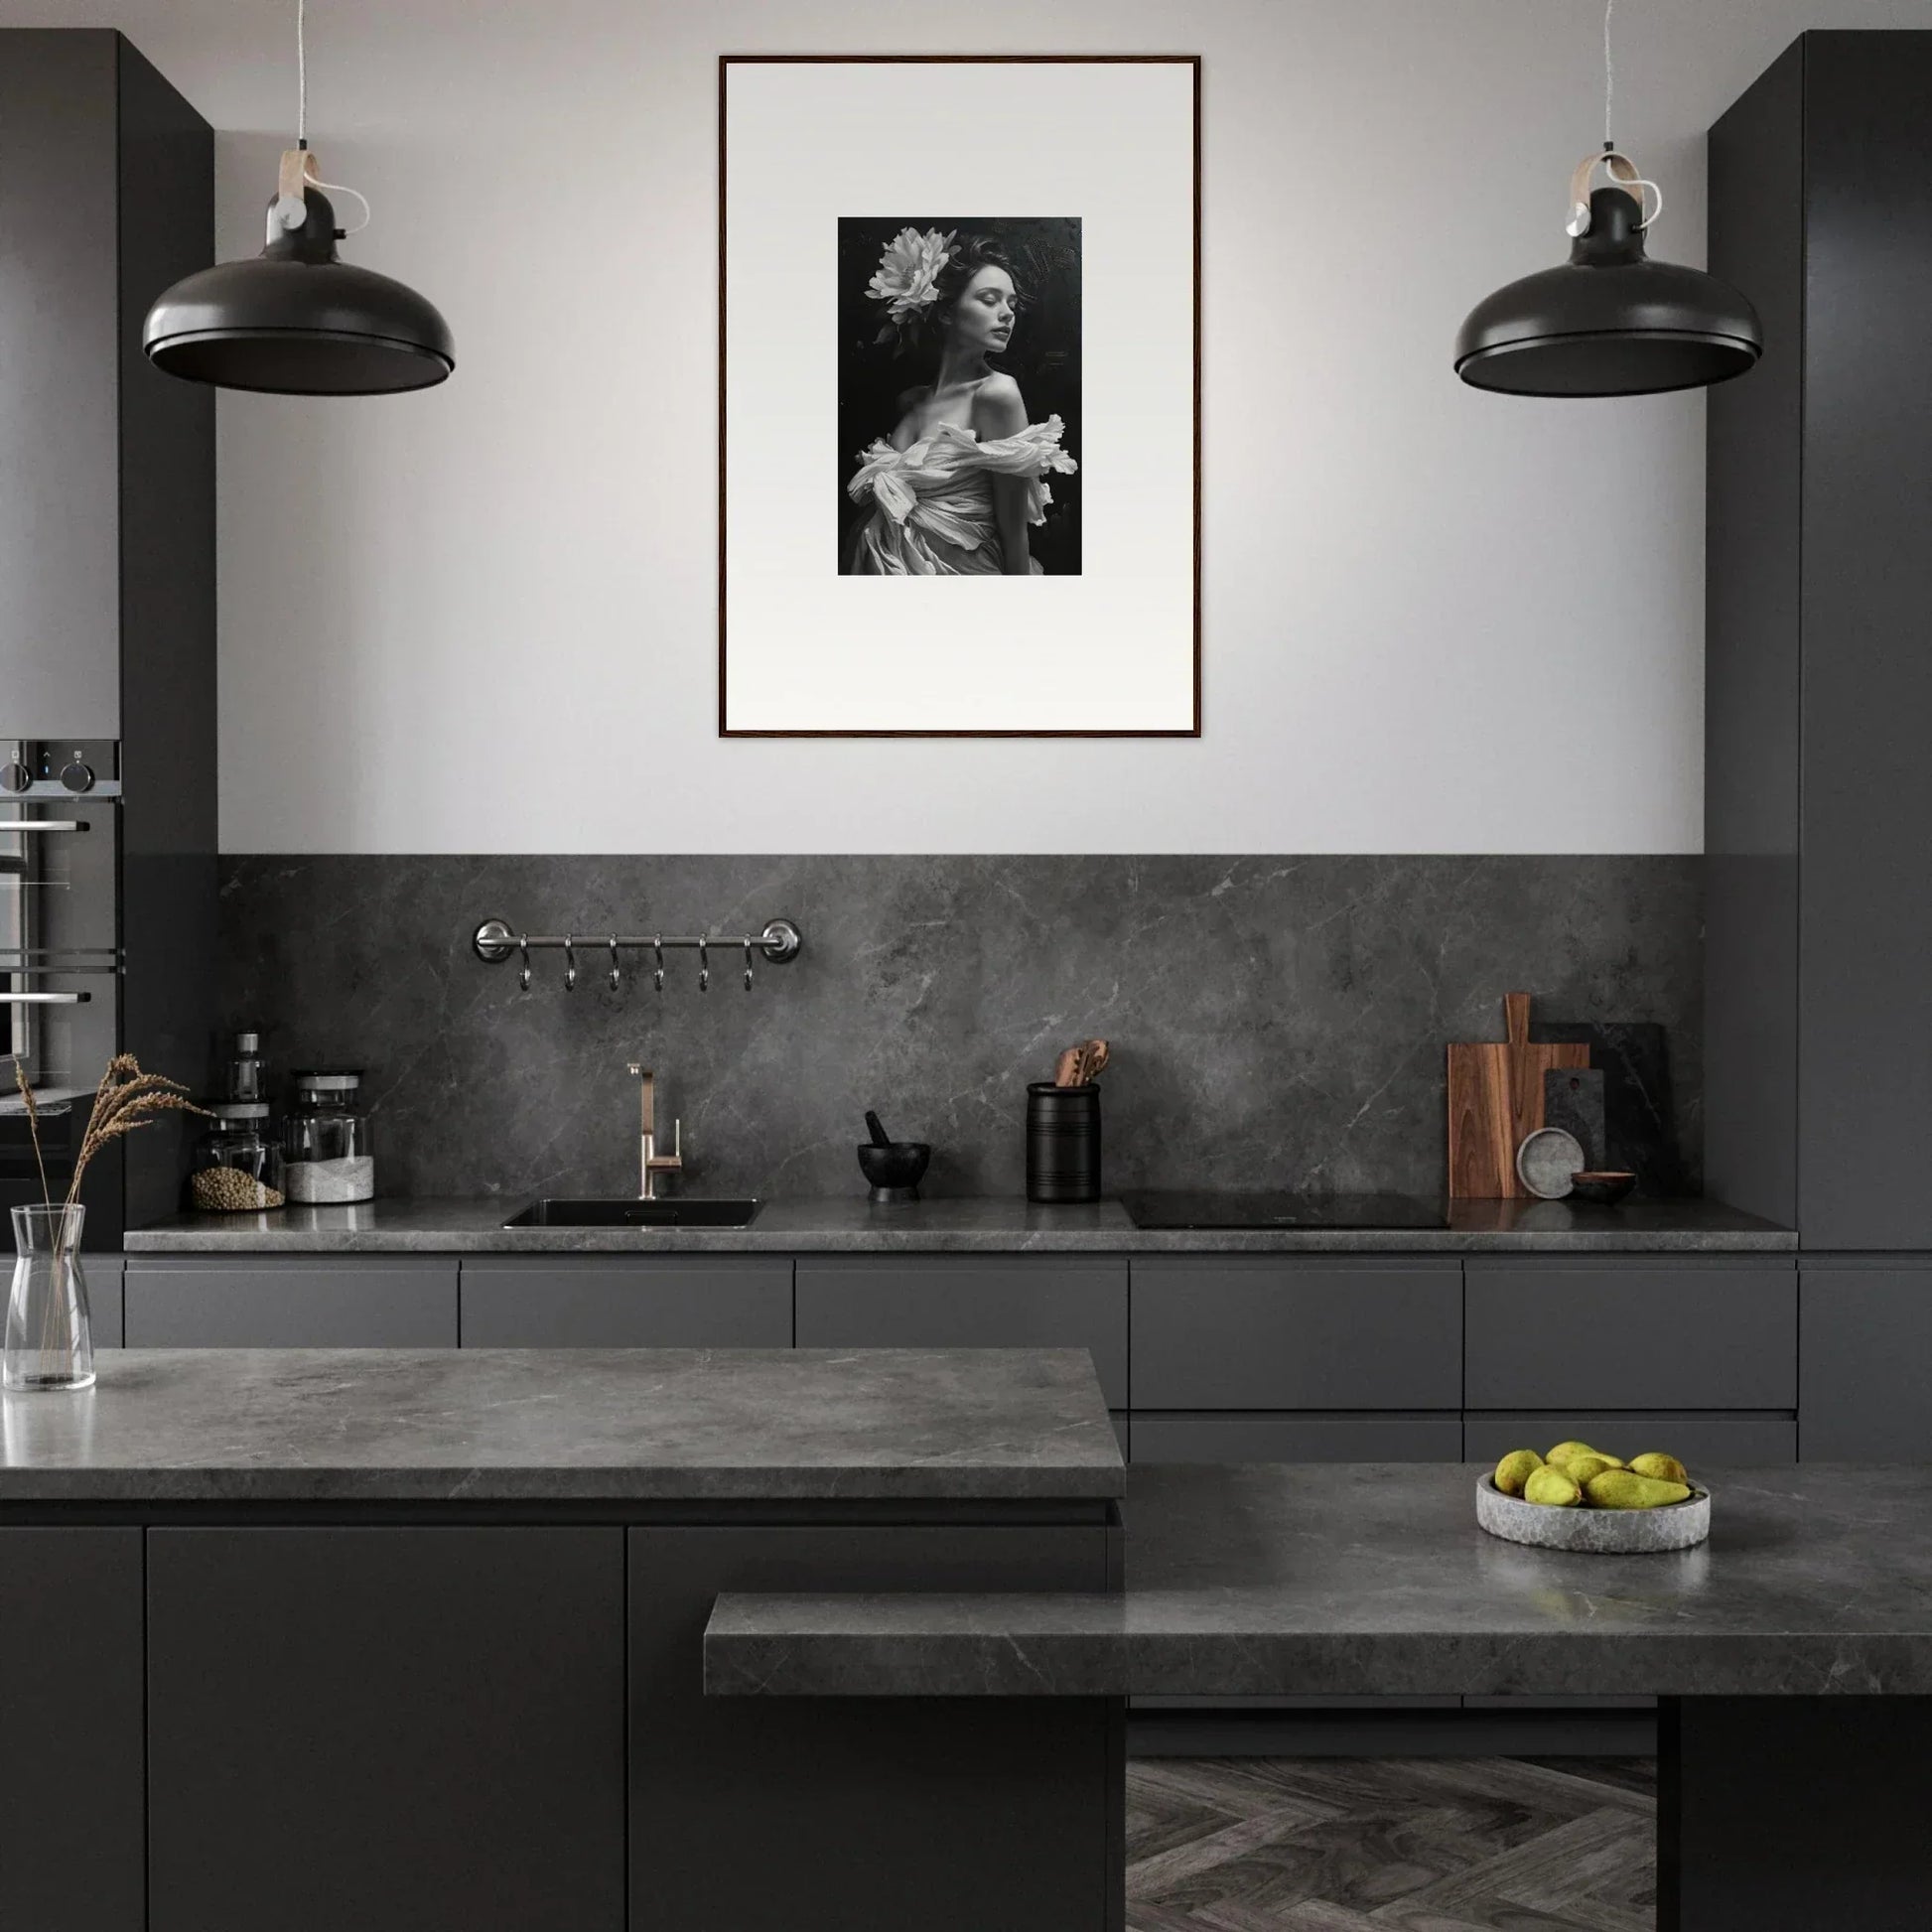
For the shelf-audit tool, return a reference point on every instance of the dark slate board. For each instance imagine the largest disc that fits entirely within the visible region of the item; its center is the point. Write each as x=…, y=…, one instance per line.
x=1638, y=1131
x=1572, y=1099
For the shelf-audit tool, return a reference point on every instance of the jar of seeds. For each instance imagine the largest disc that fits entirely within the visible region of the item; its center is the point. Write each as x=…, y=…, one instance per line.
x=237, y=1166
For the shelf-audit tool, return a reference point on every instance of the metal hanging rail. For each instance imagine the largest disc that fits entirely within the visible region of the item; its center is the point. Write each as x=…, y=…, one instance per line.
x=495, y=940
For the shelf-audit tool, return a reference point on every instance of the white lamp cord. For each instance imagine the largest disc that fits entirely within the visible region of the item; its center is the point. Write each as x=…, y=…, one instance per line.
x=1626, y=176
x=291, y=210
x=1609, y=74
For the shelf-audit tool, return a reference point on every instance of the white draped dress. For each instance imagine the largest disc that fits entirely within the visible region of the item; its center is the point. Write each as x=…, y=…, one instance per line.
x=932, y=503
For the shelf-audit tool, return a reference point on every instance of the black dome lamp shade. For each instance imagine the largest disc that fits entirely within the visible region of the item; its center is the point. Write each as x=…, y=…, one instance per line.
x=297, y=319
x=1610, y=322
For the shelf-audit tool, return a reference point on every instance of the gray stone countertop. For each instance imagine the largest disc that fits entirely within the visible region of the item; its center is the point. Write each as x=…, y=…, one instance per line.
x=577, y=1426
x=961, y=1225
x=1350, y=1579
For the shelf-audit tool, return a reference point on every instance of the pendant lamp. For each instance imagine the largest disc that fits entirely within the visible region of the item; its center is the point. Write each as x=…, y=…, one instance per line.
x=297, y=319
x=1610, y=322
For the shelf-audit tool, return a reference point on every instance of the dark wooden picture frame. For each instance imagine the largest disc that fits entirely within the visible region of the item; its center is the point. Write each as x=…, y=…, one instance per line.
x=724, y=63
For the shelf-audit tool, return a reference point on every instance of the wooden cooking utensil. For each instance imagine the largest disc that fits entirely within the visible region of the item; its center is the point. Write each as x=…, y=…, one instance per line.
x=1496, y=1100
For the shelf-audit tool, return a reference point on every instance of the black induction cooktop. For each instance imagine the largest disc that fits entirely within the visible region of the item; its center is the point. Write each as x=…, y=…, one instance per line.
x=1159, y=1209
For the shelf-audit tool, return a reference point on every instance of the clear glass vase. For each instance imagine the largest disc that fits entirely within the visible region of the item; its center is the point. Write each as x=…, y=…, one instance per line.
x=50, y=1338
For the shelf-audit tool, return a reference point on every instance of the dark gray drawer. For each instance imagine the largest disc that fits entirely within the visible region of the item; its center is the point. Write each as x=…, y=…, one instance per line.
x=690, y=1302
x=316, y=1301
x=104, y=1273
x=1700, y=1440
x=1267, y=1332
x=962, y=1302
x=1865, y=1390
x=1555, y=1334
x=1297, y=1439
x=1559, y=1703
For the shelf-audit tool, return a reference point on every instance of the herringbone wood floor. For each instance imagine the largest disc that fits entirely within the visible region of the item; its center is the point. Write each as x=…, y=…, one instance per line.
x=1391, y=1845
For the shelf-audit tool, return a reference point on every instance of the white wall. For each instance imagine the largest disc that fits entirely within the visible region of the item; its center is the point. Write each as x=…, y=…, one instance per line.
x=431, y=603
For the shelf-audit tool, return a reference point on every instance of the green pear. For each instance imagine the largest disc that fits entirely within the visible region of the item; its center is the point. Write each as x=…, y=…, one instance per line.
x=1549, y=1486
x=1580, y=1468
x=1515, y=1469
x=1624, y=1489
x=1666, y=1468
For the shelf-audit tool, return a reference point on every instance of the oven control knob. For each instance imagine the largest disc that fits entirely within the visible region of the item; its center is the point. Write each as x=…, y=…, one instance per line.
x=77, y=776
x=15, y=776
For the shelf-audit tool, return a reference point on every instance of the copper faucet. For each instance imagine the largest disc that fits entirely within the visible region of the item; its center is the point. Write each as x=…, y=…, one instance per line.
x=650, y=1163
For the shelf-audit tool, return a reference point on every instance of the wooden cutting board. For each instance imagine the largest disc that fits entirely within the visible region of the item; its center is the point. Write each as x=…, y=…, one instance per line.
x=1495, y=1099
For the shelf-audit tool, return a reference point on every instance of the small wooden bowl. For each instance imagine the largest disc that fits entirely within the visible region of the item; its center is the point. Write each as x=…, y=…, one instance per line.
x=1602, y=1187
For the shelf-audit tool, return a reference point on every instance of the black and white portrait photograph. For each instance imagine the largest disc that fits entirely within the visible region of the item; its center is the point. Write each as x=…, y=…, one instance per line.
x=965, y=349
x=959, y=396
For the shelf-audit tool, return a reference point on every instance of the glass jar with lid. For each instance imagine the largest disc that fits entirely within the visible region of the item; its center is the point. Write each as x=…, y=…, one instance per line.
x=238, y=1165
x=330, y=1154
x=244, y=1072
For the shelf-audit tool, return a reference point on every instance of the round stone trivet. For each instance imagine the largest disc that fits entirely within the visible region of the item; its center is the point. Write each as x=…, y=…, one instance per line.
x=1598, y=1532
x=1546, y=1160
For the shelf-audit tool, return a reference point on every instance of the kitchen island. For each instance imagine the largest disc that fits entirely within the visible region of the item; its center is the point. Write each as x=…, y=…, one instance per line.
x=1793, y=1651
x=412, y=1639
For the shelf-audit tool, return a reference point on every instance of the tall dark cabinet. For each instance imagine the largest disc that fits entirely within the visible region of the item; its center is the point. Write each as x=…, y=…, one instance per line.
x=108, y=700
x=1819, y=716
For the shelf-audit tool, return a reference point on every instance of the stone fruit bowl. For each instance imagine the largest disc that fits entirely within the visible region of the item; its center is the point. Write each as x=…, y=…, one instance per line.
x=1599, y=1532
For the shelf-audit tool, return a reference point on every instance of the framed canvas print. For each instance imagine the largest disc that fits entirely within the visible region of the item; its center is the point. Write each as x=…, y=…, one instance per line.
x=959, y=396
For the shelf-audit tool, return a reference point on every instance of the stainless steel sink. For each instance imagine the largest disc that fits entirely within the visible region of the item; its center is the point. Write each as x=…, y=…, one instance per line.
x=553, y=1212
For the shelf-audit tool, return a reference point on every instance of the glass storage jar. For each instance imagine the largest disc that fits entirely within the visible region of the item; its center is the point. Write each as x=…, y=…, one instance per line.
x=244, y=1074
x=330, y=1154
x=237, y=1166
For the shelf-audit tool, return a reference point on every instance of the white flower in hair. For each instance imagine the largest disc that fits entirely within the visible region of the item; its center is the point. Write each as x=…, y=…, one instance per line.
x=908, y=276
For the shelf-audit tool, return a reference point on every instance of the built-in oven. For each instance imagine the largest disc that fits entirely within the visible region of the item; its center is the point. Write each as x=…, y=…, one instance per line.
x=59, y=956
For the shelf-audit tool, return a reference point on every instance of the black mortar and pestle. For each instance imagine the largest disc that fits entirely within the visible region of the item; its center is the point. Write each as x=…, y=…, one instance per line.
x=892, y=1166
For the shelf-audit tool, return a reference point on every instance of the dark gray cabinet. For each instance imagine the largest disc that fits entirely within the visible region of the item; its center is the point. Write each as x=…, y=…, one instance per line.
x=73, y=1832
x=1866, y=1355
x=1818, y=681
x=106, y=466
x=1735, y=1439
x=400, y=1729
x=672, y=1301
x=1234, y=1358
x=1550, y=1333
x=313, y=1302
x=104, y=1274
x=891, y=1812
x=59, y=442
x=107, y=575
x=1270, y=1332
x=969, y=1301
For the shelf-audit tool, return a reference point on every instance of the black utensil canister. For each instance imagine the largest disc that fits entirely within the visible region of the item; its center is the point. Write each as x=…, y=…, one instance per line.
x=1062, y=1141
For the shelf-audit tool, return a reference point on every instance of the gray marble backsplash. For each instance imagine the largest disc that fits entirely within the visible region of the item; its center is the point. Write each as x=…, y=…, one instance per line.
x=1274, y=1021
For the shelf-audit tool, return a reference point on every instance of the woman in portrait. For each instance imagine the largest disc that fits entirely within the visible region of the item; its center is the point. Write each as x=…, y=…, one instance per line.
x=955, y=487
